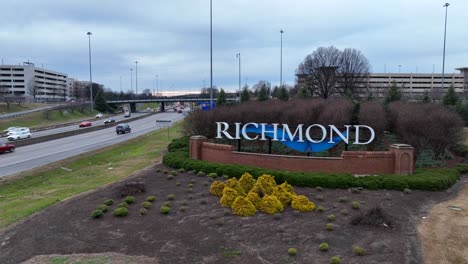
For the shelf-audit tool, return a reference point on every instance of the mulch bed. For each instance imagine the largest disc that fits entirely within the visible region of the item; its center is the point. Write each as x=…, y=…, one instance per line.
x=209, y=233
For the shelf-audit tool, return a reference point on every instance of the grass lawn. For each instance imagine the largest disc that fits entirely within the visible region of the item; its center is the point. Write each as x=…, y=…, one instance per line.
x=17, y=108
x=143, y=106
x=42, y=119
x=44, y=187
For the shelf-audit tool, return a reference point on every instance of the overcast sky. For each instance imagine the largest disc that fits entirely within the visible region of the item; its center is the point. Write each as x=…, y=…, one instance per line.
x=171, y=39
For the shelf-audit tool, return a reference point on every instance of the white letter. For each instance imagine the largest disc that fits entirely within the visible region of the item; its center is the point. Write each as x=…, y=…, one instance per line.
x=274, y=131
x=238, y=130
x=292, y=136
x=357, y=135
x=324, y=133
x=333, y=128
x=244, y=133
x=224, y=131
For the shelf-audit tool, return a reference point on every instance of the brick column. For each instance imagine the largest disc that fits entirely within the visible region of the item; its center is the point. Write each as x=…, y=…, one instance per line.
x=403, y=158
x=195, y=146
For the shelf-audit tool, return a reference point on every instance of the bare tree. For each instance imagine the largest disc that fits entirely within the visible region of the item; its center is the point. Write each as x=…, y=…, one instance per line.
x=320, y=70
x=353, y=69
x=32, y=88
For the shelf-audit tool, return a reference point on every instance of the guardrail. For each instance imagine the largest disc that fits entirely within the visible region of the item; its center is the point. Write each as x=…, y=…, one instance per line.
x=35, y=140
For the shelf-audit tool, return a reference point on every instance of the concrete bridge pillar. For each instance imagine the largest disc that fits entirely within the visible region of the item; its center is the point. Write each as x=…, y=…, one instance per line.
x=162, y=107
x=133, y=107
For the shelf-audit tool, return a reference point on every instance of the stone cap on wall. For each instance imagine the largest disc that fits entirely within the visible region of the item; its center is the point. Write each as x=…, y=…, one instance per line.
x=401, y=146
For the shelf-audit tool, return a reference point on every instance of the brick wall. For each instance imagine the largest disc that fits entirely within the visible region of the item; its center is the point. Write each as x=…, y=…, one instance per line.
x=399, y=160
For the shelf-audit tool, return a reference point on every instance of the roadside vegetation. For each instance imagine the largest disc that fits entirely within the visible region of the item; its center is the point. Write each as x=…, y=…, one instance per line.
x=4, y=109
x=46, y=186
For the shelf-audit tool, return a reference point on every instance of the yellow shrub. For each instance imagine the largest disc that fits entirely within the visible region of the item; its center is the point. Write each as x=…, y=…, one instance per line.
x=229, y=195
x=247, y=181
x=283, y=195
x=243, y=207
x=217, y=188
x=302, y=203
x=254, y=198
x=265, y=184
x=231, y=182
x=270, y=205
x=288, y=187
x=240, y=191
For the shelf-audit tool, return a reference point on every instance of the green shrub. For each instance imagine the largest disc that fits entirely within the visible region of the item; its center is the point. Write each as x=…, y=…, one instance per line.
x=129, y=199
x=320, y=208
x=184, y=202
x=344, y=212
x=146, y=205
x=356, y=205
x=331, y=217
x=213, y=175
x=143, y=211
x=151, y=198
x=170, y=177
x=319, y=197
x=97, y=214
x=329, y=226
x=165, y=171
x=174, y=173
x=181, y=170
x=292, y=251
x=165, y=209
x=123, y=204
x=108, y=202
x=358, y=251
x=335, y=260
x=102, y=207
x=323, y=247
x=462, y=168
x=342, y=199
x=201, y=173
x=407, y=191
x=120, y=211
x=178, y=183
x=183, y=208
x=166, y=203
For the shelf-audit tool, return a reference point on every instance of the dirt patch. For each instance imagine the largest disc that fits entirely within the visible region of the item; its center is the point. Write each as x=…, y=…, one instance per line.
x=91, y=259
x=444, y=232
x=205, y=232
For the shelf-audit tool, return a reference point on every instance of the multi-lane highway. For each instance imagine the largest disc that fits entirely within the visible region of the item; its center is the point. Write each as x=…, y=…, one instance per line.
x=28, y=157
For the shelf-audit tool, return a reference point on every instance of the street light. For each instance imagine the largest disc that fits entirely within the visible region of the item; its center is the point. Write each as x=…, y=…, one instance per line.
x=238, y=55
x=136, y=78
x=131, y=80
x=399, y=68
x=211, y=54
x=281, y=59
x=445, y=35
x=157, y=85
x=90, y=75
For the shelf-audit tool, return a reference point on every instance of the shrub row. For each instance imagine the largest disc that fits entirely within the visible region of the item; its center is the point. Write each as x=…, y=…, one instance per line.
x=423, y=179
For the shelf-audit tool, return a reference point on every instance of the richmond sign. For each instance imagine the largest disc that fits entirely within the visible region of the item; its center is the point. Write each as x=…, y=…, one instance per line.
x=300, y=138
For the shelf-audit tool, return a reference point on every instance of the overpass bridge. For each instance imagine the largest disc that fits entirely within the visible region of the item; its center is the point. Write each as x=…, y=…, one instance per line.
x=163, y=101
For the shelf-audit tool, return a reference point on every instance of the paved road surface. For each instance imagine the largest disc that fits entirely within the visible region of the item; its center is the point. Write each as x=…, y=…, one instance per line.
x=28, y=157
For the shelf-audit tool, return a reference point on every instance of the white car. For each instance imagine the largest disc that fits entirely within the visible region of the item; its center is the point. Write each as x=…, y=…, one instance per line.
x=19, y=129
x=19, y=135
x=10, y=129
x=99, y=115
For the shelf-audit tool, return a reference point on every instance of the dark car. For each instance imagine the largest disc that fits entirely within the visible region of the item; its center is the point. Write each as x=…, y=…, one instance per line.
x=122, y=129
x=110, y=120
x=179, y=111
x=4, y=147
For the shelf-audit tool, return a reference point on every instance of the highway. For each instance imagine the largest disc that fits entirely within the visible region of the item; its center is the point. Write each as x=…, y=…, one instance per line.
x=31, y=156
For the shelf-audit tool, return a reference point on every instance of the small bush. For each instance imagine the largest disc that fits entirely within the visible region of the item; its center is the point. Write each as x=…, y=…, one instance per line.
x=344, y=212
x=213, y=175
x=358, y=251
x=190, y=185
x=123, y=205
x=356, y=205
x=170, y=197
x=201, y=173
x=166, y=203
x=120, y=211
x=183, y=208
x=129, y=199
x=331, y=218
x=108, y=202
x=158, y=170
x=143, y=211
x=243, y=207
x=292, y=251
x=302, y=203
x=270, y=205
x=407, y=191
x=184, y=202
x=323, y=247
x=170, y=177
x=354, y=190
x=97, y=214
x=229, y=195
x=335, y=260
x=181, y=170
x=320, y=208
x=329, y=226
x=102, y=207
x=146, y=205
x=151, y=198
x=318, y=188
x=319, y=197
x=178, y=183
x=165, y=209
x=165, y=171
x=174, y=173
x=342, y=199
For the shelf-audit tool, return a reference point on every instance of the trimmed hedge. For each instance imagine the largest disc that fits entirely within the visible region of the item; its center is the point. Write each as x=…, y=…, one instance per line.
x=422, y=179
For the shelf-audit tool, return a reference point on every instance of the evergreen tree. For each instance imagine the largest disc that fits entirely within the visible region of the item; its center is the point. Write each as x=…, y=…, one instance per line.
x=450, y=98
x=245, y=95
x=426, y=99
x=221, y=98
x=100, y=102
x=262, y=93
x=283, y=94
x=303, y=93
x=394, y=94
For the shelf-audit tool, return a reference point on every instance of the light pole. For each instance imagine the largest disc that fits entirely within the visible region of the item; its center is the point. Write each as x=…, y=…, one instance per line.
x=131, y=80
x=399, y=68
x=281, y=59
x=211, y=55
x=120, y=84
x=90, y=75
x=445, y=35
x=136, y=78
x=238, y=55
x=157, y=85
